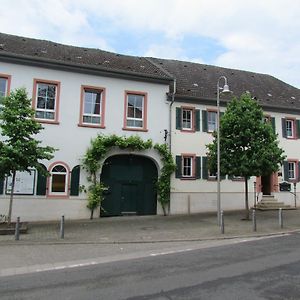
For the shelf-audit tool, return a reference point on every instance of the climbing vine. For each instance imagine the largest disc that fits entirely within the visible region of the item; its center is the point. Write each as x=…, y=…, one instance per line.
x=101, y=145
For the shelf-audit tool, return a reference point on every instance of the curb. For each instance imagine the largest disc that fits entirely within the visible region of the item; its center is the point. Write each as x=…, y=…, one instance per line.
x=199, y=239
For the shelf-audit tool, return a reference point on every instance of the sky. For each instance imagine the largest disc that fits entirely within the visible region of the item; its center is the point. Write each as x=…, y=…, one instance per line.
x=255, y=35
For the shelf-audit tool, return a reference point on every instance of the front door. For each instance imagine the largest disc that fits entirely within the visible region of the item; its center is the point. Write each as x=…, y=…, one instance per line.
x=266, y=185
x=129, y=195
x=131, y=182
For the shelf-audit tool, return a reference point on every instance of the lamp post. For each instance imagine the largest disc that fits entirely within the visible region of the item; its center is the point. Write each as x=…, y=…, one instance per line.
x=224, y=90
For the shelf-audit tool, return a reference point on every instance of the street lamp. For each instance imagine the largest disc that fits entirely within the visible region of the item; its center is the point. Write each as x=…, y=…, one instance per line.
x=224, y=90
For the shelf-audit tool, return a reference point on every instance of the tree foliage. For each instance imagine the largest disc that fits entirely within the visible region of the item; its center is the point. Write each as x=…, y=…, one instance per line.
x=248, y=144
x=19, y=150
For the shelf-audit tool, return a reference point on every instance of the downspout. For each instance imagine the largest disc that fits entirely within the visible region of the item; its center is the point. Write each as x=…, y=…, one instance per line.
x=170, y=114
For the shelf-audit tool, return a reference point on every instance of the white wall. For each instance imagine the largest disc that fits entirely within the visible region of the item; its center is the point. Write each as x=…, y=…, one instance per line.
x=200, y=195
x=71, y=140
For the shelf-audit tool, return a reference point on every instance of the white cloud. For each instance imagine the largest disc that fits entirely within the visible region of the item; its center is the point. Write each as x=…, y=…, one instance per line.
x=257, y=35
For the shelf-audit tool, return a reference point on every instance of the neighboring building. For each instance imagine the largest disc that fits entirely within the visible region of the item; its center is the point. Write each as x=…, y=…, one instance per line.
x=78, y=93
x=194, y=119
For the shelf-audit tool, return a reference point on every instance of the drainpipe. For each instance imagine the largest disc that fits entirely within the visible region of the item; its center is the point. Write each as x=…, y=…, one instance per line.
x=170, y=114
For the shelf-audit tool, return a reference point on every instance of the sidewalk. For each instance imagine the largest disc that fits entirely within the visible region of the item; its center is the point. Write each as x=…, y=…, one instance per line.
x=151, y=229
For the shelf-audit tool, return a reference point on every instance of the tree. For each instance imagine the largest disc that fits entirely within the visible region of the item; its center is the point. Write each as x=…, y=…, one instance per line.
x=19, y=150
x=248, y=144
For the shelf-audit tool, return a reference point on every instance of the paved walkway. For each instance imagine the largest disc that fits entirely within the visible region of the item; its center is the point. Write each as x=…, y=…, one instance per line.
x=144, y=229
x=89, y=242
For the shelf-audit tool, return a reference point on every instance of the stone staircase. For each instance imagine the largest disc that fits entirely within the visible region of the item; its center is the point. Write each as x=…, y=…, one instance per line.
x=268, y=202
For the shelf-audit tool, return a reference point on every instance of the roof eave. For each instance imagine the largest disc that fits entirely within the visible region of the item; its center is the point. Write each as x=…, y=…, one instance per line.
x=73, y=67
x=213, y=102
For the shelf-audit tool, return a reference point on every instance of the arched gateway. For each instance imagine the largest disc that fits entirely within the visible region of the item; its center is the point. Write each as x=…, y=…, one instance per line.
x=131, y=181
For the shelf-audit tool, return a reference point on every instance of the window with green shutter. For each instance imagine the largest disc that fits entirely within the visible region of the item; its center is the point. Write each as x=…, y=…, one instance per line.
x=198, y=167
x=75, y=178
x=178, y=118
x=204, y=120
x=41, y=183
x=197, y=119
x=204, y=167
x=178, y=166
x=298, y=129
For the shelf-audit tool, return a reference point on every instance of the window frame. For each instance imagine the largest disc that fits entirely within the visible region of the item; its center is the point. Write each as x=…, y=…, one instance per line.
x=36, y=82
x=144, y=111
x=192, y=119
x=212, y=111
x=192, y=166
x=293, y=127
x=102, y=91
x=64, y=194
x=8, y=83
x=295, y=164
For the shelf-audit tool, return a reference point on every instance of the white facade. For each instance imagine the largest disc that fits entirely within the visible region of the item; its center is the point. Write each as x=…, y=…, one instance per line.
x=193, y=195
x=72, y=140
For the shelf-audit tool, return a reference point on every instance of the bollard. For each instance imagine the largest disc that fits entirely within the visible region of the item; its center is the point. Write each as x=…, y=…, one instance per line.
x=280, y=216
x=254, y=220
x=62, y=227
x=222, y=222
x=17, y=229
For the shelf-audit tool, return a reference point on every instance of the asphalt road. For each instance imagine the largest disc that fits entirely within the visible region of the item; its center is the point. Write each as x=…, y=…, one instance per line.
x=258, y=269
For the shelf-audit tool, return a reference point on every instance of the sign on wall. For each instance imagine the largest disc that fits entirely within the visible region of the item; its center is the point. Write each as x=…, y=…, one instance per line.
x=24, y=184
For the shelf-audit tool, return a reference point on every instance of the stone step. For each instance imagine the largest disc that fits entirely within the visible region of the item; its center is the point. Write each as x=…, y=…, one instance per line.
x=269, y=202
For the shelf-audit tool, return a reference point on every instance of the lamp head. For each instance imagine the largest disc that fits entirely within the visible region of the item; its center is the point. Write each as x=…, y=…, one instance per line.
x=226, y=89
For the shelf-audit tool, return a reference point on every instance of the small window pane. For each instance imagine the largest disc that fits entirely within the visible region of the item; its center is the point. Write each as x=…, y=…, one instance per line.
x=41, y=103
x=50, y=103
x=60, y=169
x=49, y=115
x=40, y=114
x=58, y=183
x=3, y=87
x=138, y=113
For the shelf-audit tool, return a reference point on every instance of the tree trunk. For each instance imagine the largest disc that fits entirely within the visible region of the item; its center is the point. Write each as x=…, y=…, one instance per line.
x=92, y=214
x=247, y=217
x=11, y=198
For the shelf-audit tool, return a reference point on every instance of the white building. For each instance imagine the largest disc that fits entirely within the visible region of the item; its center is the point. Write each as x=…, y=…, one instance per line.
x=194, y=116
x=78, y=93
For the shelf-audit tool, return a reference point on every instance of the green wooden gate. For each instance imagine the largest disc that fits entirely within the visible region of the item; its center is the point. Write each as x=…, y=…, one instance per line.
x=131, y=181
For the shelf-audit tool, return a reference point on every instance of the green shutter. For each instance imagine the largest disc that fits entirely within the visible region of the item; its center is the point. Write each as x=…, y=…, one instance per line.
x=204, y=120
x=178, y=173
x=197, y=119
x=1, y=186
x=286, y=171
x=178, y=118
x=298, y=129
x=198, y=167
x=75, y=177
x=41, y=183
x=273, y=124
x=283, y=127
x=204, y=168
